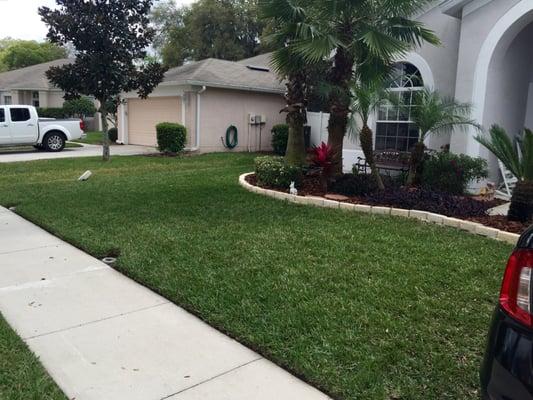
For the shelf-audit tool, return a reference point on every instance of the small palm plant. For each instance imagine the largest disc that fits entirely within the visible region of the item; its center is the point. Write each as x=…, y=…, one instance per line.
x=519, y=160
x=433, y=113
x=367, y=95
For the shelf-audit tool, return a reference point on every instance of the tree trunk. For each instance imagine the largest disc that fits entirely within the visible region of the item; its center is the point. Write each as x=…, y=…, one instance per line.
x=295, y=154
x=366, y=139
x=521, y=208
x=416, y=163
x=105, y=133
x=296, y=119
x=336, y=130
x=340, y=75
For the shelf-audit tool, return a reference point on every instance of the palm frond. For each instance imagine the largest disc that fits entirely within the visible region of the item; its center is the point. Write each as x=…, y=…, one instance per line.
x=499, y=144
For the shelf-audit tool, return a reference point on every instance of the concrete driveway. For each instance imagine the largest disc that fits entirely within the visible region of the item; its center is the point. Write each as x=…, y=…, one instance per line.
x=72, y=152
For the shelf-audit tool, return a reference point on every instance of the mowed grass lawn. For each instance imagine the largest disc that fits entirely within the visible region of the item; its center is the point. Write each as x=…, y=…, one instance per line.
x=361, y=306
x=21, y=375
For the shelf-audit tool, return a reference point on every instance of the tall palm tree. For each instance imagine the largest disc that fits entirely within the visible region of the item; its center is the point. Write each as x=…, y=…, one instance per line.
x=519, y=160
x=433, y=113
x=368, y=94
x=288, y=21
x=359, y=33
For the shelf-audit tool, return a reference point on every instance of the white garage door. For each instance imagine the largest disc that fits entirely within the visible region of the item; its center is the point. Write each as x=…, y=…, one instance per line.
x=144, y=115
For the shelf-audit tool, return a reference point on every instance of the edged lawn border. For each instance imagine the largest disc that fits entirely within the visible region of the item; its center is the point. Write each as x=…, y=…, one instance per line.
x=468, y=226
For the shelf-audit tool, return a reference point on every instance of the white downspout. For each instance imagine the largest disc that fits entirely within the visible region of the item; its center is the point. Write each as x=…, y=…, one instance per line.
x=198, y=110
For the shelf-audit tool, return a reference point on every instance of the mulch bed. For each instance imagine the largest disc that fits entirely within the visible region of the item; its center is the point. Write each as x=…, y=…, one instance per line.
x=463, y=207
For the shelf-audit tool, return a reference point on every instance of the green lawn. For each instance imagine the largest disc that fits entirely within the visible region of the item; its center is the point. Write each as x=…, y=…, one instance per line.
x=21, y=375
x=362, y=306
x=91, y=138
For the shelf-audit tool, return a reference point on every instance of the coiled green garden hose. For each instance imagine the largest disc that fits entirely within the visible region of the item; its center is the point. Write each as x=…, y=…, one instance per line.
x=232, y=137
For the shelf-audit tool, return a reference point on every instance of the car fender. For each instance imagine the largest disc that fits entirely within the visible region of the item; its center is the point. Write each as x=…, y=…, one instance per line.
x=54, y=127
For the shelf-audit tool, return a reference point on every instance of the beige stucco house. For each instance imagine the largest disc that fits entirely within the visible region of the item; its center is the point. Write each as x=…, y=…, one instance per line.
x=29, y=86
x=207, y=97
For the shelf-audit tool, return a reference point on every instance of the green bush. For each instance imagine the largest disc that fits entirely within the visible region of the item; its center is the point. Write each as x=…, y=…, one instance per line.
x=57, y=113
x=451, y=173
x=275, y=172
x=280, y=135
x=113, y=134
x=171, y=137
x=79, y=108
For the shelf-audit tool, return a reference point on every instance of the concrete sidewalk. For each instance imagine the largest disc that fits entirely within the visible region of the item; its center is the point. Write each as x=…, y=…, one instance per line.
x=88, y=150
x=102, y=336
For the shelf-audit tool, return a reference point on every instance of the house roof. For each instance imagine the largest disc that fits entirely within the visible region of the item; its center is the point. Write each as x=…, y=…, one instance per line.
x=30, y=78
x=454, y=8
x=251, y=74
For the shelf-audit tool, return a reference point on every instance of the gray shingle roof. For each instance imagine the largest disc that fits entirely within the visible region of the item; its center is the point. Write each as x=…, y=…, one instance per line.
x=29, y=78
x=227, y=74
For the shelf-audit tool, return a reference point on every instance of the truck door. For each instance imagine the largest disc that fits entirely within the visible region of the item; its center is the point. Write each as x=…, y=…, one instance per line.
x=5, y=131
x=24, y=130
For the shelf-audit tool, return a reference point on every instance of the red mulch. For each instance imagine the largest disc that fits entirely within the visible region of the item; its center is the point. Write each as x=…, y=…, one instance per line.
x=311, y=186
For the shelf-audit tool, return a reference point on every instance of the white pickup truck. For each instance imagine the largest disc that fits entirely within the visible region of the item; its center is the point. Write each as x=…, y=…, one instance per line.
x=21, y=126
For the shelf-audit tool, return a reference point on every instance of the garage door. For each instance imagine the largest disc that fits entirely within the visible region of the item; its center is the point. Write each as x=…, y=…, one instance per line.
x=144, y=115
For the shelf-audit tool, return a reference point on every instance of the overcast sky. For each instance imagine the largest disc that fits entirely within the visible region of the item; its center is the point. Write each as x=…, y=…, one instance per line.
x=19, y=18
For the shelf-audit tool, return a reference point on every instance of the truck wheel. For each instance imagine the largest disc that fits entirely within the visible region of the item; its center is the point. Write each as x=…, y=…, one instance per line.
x=54, y=142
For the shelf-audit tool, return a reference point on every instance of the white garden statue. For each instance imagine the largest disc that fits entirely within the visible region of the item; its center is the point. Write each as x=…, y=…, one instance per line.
x=293, y=190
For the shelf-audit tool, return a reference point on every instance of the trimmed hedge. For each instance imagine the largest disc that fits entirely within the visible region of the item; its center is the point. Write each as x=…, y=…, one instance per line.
x=280, y=136
x=275, y=172
x=171, y=137
x=57, y=112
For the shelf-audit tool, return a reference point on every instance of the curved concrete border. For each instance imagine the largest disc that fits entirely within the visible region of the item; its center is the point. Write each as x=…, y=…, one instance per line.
x=468, y=226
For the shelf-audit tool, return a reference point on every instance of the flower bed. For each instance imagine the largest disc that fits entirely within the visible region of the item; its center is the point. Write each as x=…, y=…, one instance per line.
x=466, y=208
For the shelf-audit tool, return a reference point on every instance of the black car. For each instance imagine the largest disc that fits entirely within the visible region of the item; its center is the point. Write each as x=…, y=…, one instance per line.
x=507, y=370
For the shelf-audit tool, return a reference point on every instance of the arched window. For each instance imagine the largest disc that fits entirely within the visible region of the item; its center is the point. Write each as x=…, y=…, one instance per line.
x=394, y=129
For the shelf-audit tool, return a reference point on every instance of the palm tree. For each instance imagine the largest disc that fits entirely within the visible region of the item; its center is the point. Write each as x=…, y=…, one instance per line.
x=368, y=94
x=519, y=160
x=358, y=33
x=287, y=18
x=433, y=113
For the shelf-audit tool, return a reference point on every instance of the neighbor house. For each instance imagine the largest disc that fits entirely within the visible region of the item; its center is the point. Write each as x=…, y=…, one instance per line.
x=485, y=59
x=29, y=86
x=208, y=97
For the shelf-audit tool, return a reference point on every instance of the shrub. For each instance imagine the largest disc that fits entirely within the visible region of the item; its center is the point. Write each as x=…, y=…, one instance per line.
x=354, y=185
x=79, y=108
x=275, y=172
x=280, y=136
x=171, y=137
x=57, y=113
x=450, y=173
x=113, y=134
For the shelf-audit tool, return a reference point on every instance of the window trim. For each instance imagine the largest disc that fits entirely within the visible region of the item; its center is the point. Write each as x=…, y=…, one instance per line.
x=394, y=87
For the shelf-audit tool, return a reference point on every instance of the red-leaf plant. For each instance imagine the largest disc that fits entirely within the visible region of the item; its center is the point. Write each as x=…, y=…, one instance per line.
x=322, y=158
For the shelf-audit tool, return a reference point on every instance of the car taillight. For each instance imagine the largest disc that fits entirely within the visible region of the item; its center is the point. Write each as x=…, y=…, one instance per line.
x=515, y=296
x=82, y=125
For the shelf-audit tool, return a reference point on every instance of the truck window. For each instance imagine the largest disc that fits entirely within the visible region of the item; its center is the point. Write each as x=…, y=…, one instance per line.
x=2, y=115
x=19, y=114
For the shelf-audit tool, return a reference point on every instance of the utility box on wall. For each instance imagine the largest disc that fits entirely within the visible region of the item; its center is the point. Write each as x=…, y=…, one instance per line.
x=256, y=119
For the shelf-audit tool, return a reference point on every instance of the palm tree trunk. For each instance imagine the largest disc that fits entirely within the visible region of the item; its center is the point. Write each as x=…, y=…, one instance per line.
x=416, y=164
x=296, y=118
x=295, y=154
x=366, y=139
x=340, y=75
x=521, y=208
x=336, y=130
